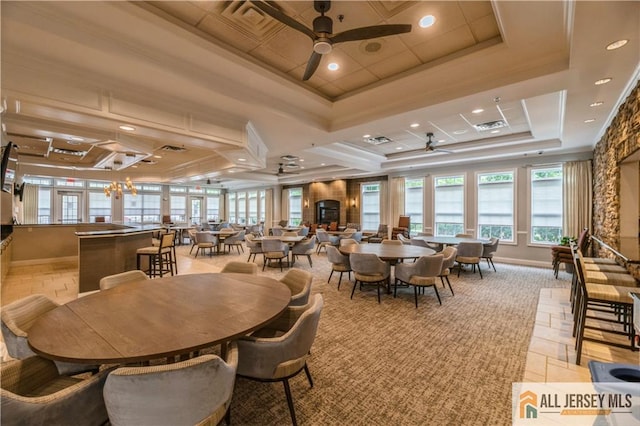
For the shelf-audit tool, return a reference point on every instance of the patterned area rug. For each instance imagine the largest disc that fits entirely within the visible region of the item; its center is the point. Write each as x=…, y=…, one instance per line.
x=390, y=363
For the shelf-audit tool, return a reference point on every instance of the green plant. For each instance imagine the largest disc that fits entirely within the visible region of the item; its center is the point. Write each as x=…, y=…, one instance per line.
x=564, y=241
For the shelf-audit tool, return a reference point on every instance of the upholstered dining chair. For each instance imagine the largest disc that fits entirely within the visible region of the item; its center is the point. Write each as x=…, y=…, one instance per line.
x=347, y=241
x=488, y=250
x=204, y=241
x=161, y=259
x=339, y=263
x=299, y=282
x=255, y=247
x=304, y=248
x=192, y=239
x=197, y=391
x=449, y=254
x=114, y=280
x=277, y=231
x=405, y=240
x=274, y=250
x=392, y=242
x=290, y=234
x=469, y=253
x=235, y=241
x=240, y=268
x=33, y=392
x=325, y=239
x=464, y=236
x=381, y=234
x=279, y=351
x=421, y=273
x=369, y=269
x=18, y=317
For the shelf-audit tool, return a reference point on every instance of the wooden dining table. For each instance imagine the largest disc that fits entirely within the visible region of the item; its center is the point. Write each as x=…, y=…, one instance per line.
x=159, y=318
x=449, y=241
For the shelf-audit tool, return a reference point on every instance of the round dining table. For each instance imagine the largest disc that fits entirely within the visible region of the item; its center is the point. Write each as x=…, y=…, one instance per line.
x=152, y=319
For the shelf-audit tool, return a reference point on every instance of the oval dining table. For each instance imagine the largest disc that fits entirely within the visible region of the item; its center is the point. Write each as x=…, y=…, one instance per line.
x=158, y=318
x=388, y=252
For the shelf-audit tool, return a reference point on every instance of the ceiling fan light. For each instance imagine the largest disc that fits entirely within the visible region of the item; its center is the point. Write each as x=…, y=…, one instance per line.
x=322, y=47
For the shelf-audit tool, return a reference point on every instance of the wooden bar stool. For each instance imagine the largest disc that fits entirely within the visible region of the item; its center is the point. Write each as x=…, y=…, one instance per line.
x=161, y=258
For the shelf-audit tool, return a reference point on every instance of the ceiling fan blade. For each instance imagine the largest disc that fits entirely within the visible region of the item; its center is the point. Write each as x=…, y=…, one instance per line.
x=312, y=66
x=285, y=19
x=375, y=31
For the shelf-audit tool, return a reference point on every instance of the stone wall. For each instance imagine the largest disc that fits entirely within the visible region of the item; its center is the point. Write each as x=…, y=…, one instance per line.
x=621, y=139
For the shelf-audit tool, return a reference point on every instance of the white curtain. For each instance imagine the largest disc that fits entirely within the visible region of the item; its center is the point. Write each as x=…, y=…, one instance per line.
x=384, y=204
x=30, y=204
x=577, y=183
x=397, y=200
x=284, y=211
x=268, y=214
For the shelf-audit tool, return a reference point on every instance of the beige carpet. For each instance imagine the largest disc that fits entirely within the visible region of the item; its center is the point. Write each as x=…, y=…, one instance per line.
x=395, y=364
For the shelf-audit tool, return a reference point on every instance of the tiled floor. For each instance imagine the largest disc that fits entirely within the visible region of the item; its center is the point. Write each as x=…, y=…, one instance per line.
x=551, y=356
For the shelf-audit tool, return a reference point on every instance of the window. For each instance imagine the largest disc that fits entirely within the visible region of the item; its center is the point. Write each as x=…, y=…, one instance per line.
x=242, y=207
x=449, y=205
x=44, y=205
x=253, y=208
x=142, y=208
x=232, y=207
x=213, y=204
x=495, y=205
x=546, y=205
x=370, y=203
x=263, y=197
x=413, y=203
x=178, y=208
x=295, y=206
x=99, y=205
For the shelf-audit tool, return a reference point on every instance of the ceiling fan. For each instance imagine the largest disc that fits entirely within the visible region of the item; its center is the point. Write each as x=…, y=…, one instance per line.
x=431, y=145
x=322, y=33
x=282, y=172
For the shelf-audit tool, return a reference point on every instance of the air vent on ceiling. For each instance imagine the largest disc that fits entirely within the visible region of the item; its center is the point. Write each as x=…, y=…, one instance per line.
x=490, y=125
x=68, y=152
x=291, y=166
x=378, y=140
x=172, y=148
x=289, y=157
x=145, y=161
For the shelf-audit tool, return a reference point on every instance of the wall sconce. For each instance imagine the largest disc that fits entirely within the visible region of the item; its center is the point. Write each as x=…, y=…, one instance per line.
x=353, y=202
x=306, y=203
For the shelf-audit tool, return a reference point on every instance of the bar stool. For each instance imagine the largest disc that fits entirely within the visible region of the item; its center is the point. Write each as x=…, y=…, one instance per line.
x=161, y=258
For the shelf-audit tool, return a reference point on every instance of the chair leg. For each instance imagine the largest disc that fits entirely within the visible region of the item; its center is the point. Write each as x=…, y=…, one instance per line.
x=378, y=292
x=449, y=282
x=227, y=416
x=264, y=263
x=435, y=287
x=292, y=410
x=330, y=275
x=459, y=268
x=339, y=279
x=310, y=262
x=353, y=290
x=306, y=370
x=479, y=270
x=415, y=294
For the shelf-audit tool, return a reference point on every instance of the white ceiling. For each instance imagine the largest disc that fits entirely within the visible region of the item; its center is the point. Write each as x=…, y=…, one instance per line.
x=80, y=69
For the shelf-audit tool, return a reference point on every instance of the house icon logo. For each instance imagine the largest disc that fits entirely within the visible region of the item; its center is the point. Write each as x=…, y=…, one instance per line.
x=528, y=405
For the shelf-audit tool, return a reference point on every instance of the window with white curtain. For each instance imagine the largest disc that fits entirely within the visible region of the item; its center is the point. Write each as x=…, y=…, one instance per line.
x=241, y=198
x=262, y=214
x=232, y=207
x=99, y=205
x=178, y=208
x=546, y=205
x=253, y=207
x=496, y=205
x=448, y=205
x=413, y=203
x=142, y=208
x=213, y=204
x=370, y=206
x=295, y=206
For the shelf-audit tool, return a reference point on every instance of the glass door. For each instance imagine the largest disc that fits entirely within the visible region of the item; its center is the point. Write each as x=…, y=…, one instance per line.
x=69, y=206
x=196, y=212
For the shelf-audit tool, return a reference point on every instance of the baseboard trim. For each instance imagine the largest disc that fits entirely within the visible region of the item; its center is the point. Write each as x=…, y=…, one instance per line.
x=50, y=260
x=523, y=262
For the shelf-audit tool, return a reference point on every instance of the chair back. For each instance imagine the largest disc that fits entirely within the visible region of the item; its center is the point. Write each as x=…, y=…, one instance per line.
x=405, y=240
x=290, y=234
x=17, y=317
x=283, y=223
x=111, y=281
x=240, y=268
x=304, y=246
x=383, y=230
x=470, y=249
x=333, y=226
x=236, y=238
x=404, y=221
x=335, y=257
x=392, y=242
x=449, y=257
x=323, y=236
x=195, y=391
x=367, y=264
x=304, y=231
x=347, y=241
x=277, y=232
x=416, y=242
x=273, y=245
x=492, y=247
x=166, y=240
x=204, y=237
x=166, y=219
x=299, y=282
x=428, y=266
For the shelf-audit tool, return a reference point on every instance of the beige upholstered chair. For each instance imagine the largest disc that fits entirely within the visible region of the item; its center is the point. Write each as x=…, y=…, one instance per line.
x=277, y=231
x=18, y=317
x=274, y=250
x=192, y=239
x=34, y=393
x=161, y=258
x=347, y=241
x=404, y=226
x=299, y=282
x=304, y=231
x=290, y=234
x=469, y=253
x=279, y=351
x=421, y=273
x=197, y=391
x=240, y=268
x=488, y=250
x=339, y=263
x=449, y=259
x=255, y=247
x=235, y=241
x=124, y=277
x=204, y=241
x=325, y=239
x=283, y=223
x=392, y=242
x=304, y=248
x=404, y=240
x=369, y=269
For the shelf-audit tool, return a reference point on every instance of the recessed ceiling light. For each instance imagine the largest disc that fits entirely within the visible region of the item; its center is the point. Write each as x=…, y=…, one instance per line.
x=366, y=136
x=398, y=147
x=427, y=21
x=157, y=156
x=301, y=160
x=232, y=171
x=242, y=159
x=77, y=139
x=333, y=66
x=73, y=142
x=302, y=167
x=495, y=131
x=127, y=128
x=322, y=164
x=477, y=111
x=596, y=104
x=590, y=120
x=441, y=140
x=414, y=125
x=602, y=81
x=617, y=44
x=459, y=132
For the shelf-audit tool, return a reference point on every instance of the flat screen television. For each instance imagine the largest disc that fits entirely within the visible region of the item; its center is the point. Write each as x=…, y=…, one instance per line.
x=8, y=166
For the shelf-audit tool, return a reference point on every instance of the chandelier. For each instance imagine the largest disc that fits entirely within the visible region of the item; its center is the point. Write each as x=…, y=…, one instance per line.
x=116, y=188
